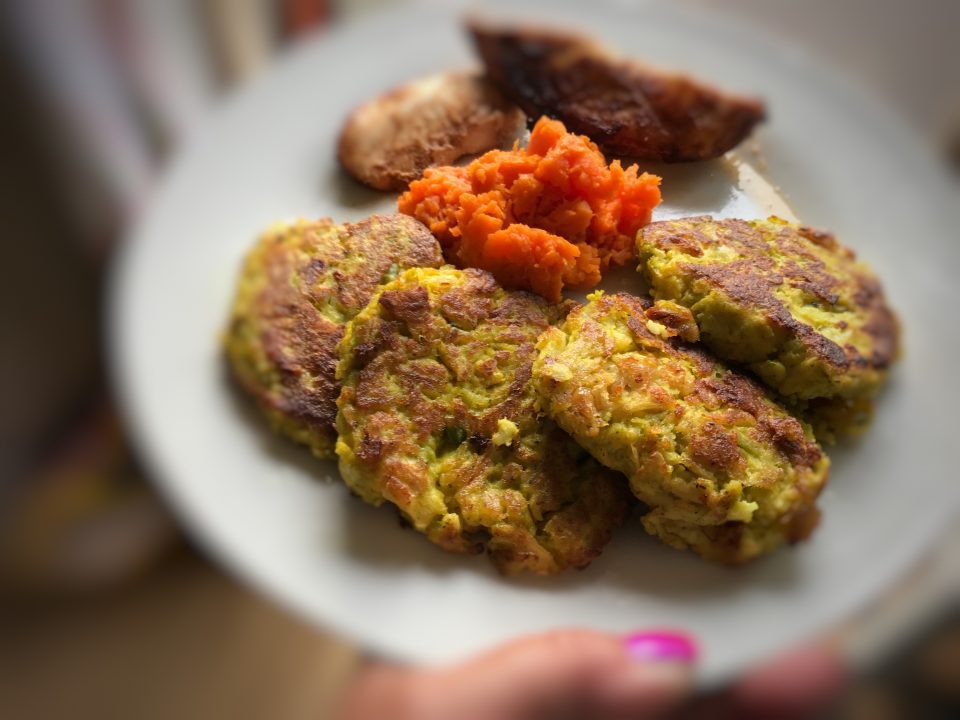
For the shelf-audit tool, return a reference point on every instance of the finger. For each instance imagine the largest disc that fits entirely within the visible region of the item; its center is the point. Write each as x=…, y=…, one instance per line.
x=573, y=673
x=379, y=690
x=795, y=685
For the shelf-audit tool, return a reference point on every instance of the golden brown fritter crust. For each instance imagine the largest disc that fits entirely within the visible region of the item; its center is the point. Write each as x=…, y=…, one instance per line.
x=724, y=470
x=788, y=301
x=299, y=286
x=625, y=108
x=389, y=141
x=437, y=416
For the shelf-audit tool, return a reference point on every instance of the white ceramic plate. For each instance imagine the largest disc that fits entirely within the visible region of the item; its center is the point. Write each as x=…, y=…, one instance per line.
x=285, y=523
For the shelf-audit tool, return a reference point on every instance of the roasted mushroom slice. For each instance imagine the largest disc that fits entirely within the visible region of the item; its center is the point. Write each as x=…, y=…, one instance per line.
x=392, y=139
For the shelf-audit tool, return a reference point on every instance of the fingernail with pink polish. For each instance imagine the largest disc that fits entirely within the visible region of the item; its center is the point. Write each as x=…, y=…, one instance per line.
x=654, y=646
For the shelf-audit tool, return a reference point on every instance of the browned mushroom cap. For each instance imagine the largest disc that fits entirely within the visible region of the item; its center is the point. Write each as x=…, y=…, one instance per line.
x=392, y=139
x=626, y=108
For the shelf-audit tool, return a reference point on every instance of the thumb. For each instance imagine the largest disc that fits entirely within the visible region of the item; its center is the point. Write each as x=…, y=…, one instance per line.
x=570, y=673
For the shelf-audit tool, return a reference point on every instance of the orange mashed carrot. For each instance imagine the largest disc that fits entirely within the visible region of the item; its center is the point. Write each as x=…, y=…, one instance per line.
x=550, y=215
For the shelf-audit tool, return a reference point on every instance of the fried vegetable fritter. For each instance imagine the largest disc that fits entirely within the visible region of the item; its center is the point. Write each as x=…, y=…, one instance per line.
x=299, y=285
x=626, y=108
x=437, y=416
x=787, y=301
x=724, y=470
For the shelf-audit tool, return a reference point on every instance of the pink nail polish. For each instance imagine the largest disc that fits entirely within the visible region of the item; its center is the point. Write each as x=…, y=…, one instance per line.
x=661, y=645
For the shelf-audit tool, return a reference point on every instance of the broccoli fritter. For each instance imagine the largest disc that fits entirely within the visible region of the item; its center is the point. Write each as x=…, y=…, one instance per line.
x=299, y=285
x=437, y=416
x=724, y=470
x=787, y=301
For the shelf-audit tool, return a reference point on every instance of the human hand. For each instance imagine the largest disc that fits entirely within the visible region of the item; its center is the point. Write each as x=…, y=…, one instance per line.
x=588, y=674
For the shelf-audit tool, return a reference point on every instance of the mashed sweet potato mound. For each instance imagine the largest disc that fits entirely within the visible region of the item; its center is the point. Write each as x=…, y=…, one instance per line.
x=550, y=215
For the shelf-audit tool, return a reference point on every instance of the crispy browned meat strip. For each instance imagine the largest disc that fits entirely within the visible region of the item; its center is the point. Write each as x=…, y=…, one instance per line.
x=626, y=108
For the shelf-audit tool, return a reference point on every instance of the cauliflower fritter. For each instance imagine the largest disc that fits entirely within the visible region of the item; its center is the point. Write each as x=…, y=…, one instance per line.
x=437, y=416
x=724, y=470
x=787, y=301
x=299, y=285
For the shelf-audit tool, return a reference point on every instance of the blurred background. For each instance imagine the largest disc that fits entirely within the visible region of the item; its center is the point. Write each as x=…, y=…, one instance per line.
x=106, y=610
